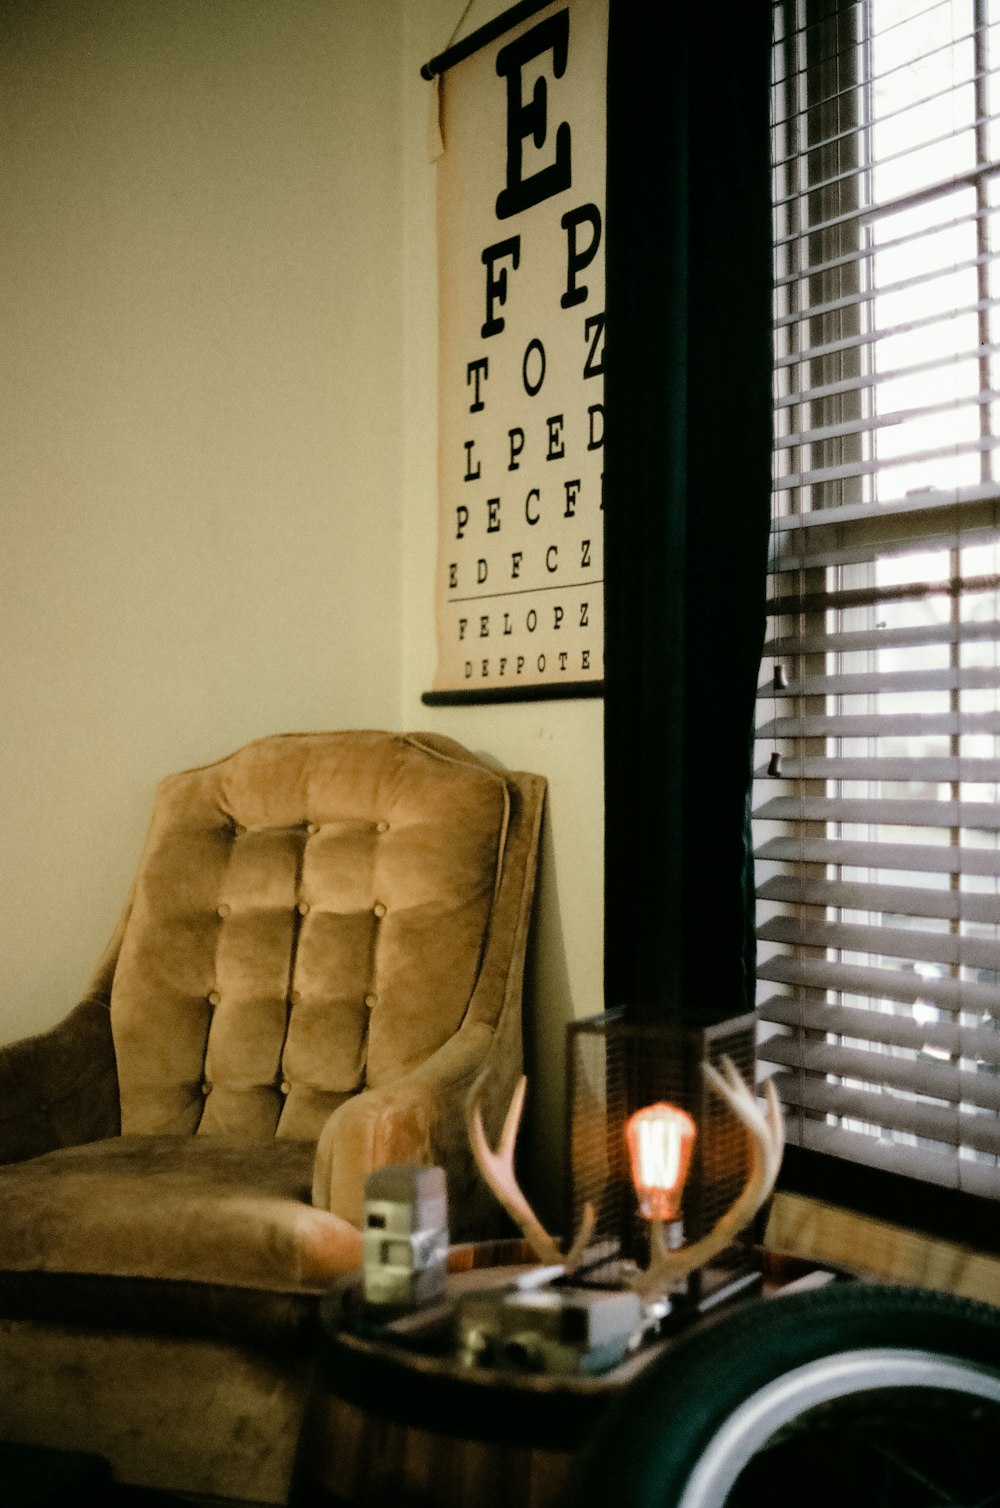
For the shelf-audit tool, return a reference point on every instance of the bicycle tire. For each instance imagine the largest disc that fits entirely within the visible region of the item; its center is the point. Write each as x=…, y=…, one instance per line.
x=670, y=1441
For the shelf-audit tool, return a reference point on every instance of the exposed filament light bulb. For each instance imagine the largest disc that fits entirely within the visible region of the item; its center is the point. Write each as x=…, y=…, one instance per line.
x=660, y=1139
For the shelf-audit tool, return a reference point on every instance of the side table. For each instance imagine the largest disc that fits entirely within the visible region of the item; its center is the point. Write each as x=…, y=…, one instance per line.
x=390, y=1426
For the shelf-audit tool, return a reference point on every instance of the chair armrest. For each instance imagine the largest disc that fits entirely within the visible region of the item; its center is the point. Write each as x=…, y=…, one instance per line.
x=418, y=1119
x=59, y=1088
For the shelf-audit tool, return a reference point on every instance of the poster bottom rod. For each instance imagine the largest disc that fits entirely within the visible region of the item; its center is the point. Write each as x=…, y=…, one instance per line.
x=513, y=694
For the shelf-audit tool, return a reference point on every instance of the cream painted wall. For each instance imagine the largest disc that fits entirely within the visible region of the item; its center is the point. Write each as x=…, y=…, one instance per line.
x=561, y=739
x=200, y=443
x=217, y=336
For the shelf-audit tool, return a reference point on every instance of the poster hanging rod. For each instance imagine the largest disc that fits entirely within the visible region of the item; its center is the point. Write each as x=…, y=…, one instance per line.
x=485, y=34
x=535, y=693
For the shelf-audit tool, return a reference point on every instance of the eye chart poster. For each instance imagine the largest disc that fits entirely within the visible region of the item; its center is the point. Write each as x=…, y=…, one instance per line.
x=519, y=591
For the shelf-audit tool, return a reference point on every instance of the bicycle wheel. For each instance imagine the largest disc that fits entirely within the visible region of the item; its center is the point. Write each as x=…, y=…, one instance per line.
x=877, y=1397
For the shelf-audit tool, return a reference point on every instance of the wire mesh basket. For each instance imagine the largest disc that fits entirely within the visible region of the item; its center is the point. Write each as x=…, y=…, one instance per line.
x=615, y=1068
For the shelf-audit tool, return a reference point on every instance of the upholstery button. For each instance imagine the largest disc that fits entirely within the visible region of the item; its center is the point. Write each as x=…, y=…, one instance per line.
x=237, y=829
x=213, y=997
x=303, y=908
x=43, y=1106
x=371, y=1000
x=284, y=1086
x=294, y=997
x=206, y=1086
x=382, y=827
x=379, y=909
x=311, y=828
x=223, y=910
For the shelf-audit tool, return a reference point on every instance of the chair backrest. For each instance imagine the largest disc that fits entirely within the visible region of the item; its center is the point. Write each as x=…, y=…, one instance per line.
x=310, y=916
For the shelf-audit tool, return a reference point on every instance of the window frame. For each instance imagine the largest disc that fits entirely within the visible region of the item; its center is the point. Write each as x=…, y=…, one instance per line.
x=947, y=1212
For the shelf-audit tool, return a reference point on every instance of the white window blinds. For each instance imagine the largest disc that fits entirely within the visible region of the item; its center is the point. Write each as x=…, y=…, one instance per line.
x=877, y=826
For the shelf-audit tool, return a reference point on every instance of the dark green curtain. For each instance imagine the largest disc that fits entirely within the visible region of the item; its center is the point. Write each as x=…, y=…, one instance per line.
x=687, y=498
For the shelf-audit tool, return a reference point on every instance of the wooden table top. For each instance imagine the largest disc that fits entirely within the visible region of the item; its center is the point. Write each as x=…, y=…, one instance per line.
x=408, y=1371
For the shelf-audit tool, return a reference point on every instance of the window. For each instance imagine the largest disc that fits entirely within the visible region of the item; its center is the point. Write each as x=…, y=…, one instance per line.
x=876, y=807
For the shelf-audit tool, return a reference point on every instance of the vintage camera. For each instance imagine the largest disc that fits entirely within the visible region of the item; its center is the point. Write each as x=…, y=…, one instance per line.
x=547, y=1329
x=405, y=1237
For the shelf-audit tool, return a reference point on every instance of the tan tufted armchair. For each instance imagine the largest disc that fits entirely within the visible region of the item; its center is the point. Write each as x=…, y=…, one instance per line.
x=323, y=949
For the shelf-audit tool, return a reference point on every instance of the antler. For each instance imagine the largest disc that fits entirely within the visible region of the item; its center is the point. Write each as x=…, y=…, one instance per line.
x=498, y=1170
x=766, y=1133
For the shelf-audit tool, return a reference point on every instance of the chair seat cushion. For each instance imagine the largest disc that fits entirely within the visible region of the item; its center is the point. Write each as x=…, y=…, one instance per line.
x=205, y=1210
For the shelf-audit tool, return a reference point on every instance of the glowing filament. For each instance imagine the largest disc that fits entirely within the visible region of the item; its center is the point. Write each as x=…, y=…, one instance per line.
x=660, y=1140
